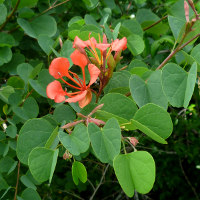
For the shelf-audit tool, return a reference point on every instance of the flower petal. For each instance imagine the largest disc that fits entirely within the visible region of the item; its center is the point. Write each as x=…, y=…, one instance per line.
x=118, y=45
x=102, y=47
x=59, y=67
x=86, y=100
x=79, y=58
x=77, y=97
x=79, y=42
x=55, y=91
x=94, y=73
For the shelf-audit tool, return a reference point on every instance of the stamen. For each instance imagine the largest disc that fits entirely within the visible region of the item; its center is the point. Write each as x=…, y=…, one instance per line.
x=77, y=78
x=68, y=83
x=109, y=51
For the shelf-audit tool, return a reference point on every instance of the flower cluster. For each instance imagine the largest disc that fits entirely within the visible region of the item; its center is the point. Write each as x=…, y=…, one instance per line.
x=98, y=66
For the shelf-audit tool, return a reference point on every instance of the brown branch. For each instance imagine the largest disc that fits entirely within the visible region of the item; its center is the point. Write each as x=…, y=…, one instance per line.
x=178, y=48
x=188, y=181
x=144, y=29
x=9, y=16
x=100, y=183
x=16, y=188
x=52, y=7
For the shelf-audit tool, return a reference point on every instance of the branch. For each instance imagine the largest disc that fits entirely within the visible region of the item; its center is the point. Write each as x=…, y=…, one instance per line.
x=9, y=16
x=52, y=7
x=178, y=48
x=144, y=29
x=16, y=188
x=188, y=181
x=100, y=183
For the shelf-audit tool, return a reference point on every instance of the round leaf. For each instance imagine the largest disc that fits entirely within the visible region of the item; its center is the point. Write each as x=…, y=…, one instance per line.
x=79, y=172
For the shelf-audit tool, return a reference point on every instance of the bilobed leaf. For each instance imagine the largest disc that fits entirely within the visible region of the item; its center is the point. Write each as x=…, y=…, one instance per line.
x=154, y=121
x=149, y=91
x=34, y=133
x=106, y=142
x=11, y=131
x=27, y=182
x=135, y=171
x=43, y=25
x=79, y=172
x=42, y=163
x=90, y=4
x=77, y=142
x=178, y=85
x=30, y=109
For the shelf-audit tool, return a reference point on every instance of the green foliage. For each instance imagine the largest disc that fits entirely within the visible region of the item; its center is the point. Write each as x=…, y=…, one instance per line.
x=61, y=151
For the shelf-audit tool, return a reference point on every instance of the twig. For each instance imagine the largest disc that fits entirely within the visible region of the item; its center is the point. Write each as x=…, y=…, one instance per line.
x=9, y=16
x=188, y=181
x=178, y=48
x=78, y=197
x=91, y=184
x=100, y=183
x=16, y=188
x=144, y=29
x=52, y=7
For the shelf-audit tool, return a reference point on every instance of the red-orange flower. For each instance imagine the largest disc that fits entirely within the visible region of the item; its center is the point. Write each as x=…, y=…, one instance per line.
x=59, y=68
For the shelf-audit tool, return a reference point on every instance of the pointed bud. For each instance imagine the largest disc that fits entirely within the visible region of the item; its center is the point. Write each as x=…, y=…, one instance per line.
x=186, y=8
x=133, y=141
x=61, y=42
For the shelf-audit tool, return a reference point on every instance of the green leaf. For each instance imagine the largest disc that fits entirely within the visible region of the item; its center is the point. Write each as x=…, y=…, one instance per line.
x=118, y=80
x=79, y=172
x=196, y=53
x=34, y=133
x=43, y=25
x=6, y=40
x=25, y=3
x=27, y=182
x=154, y=121
x=130, y=27
x=30, y=109
x=135, y=171
x=24, y=70
x=77, y=19
x=116, y=31
x=16, y=82
x=11, y=131
x=90, y=4
x=77, y=142
x=52, y=138
x=42, y=163
x=46, y=43
x=176, y=25
x=135, y=44
x=5, y=55
x=64, y=113
x=178, y=85
x=149, y=91
x=29, y=194
x=44, y=78
x=5, y=92
x=106, y=142
x=3, y=183
x=3, y=13
x=5, y=164
x=119, y=105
